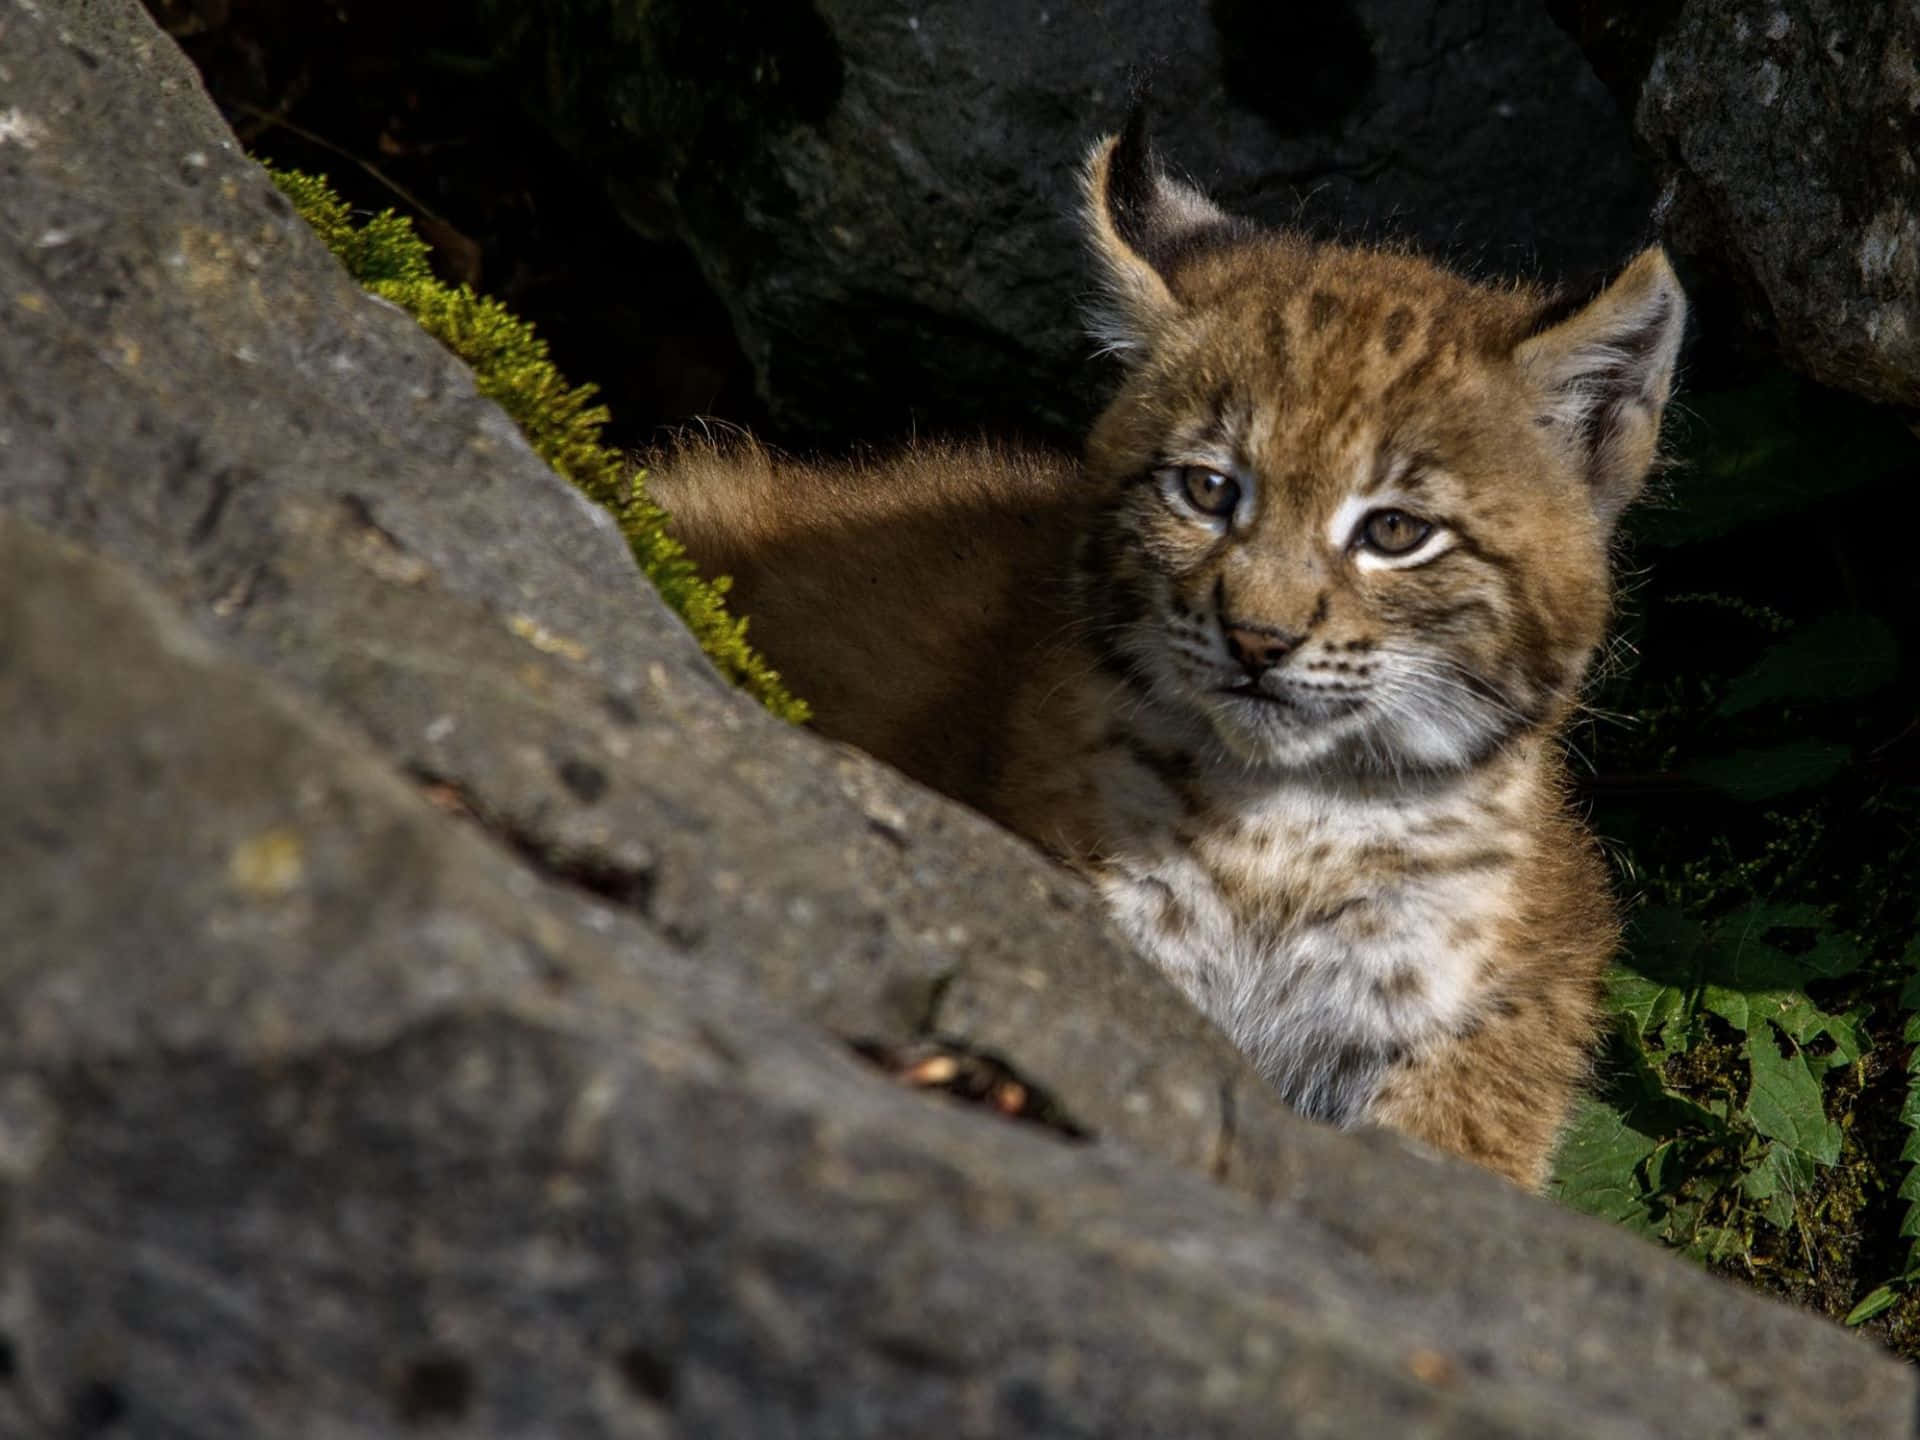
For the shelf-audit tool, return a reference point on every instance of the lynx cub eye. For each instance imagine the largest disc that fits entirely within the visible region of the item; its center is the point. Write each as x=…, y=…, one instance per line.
x=1208, y=491
x=1393, y=532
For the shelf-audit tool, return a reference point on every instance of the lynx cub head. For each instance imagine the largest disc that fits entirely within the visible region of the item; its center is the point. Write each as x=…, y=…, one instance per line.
x=1355, y=509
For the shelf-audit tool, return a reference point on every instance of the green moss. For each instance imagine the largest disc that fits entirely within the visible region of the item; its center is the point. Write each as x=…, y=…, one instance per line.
x=561, y=422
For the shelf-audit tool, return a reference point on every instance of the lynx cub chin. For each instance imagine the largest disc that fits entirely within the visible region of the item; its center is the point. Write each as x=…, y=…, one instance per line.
x=1282, y=665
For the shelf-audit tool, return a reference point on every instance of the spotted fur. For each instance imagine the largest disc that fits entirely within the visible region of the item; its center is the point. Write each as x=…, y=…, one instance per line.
x=1282, y=667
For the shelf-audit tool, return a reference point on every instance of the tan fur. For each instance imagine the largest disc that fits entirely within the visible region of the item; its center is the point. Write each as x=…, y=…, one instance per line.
x=1319, y=783
x=897, y=595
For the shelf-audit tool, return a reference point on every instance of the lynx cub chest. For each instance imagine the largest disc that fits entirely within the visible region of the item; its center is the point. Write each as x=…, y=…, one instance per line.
x=1281, y=664
x=1329, y=934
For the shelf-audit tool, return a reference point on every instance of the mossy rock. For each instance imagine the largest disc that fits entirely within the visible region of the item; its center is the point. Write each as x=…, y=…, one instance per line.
x=512, y=367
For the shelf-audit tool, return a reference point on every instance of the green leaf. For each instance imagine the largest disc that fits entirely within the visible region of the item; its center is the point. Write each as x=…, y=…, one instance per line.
x=1803, y=1021
x=1716, y=1244
x=1785, y=1102
x=1680, y=1220
x=1662, y=941
x=1595, y=1171
x=1647, y=1004
x=1910, y=992
x=1756, y=775
x=1650, y=983
x=1740, y=960
x=1638, y=1092
x=1731, y=1006
x=1667, y=1169
x=1832, y=956
x=1781, y=1175
x=1744, y=980
x=1837, y=657
x=1876, y=1301
x=1763, y=917
x=1797, y=1016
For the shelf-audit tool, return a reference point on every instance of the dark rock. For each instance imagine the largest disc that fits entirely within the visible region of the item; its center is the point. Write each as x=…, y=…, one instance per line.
x=368, y=1067
x=881, y=191
x=1784, y=139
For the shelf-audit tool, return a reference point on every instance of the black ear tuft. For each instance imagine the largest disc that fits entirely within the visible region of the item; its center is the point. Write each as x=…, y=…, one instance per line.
x=1133, y=175
x=1143, y=226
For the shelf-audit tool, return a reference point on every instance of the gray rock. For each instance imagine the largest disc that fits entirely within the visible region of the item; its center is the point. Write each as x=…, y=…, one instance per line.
x=881, y=190
x=429, y=999
x=323, y=1115
x=1785, y=138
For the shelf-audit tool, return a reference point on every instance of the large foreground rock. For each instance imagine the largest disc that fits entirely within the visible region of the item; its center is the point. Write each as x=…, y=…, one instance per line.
x=1786, y=140
x=429, y=999
x=881, y=190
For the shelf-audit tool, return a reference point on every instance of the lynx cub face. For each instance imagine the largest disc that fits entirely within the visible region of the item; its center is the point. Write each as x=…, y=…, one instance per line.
x=1359, y=508
x=1281, y=666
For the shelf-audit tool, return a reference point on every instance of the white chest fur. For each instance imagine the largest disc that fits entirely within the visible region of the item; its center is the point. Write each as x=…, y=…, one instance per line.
x=1327, y=931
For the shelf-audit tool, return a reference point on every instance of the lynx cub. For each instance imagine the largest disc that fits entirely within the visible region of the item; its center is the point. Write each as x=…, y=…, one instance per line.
x=1281, y=667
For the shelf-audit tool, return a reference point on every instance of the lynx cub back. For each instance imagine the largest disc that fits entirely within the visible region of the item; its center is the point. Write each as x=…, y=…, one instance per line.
x=1281, y=666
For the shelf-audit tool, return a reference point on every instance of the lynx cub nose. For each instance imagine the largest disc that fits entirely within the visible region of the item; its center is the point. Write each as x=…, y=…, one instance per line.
x=1258, y=651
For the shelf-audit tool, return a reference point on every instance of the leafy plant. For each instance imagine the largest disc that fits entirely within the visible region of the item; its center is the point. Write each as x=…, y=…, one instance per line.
x=1760, y=1103
x=512, y=367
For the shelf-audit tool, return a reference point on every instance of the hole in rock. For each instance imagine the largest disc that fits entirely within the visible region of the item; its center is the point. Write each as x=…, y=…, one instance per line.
x=434, y=1388
x=973, y=1077
x=648, y=1375
x=587, y=781
x=607, y=877
x=96, y=1407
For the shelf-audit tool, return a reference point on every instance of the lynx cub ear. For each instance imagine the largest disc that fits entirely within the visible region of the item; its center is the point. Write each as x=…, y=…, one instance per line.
x=1603, y=374
x=1139, y=221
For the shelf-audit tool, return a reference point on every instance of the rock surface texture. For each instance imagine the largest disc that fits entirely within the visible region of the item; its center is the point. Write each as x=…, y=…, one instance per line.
x=1786, y=138
x=430, y=1001
x=882, y=190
